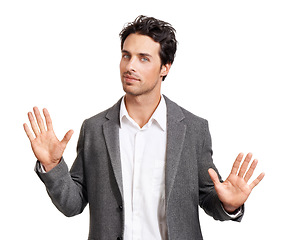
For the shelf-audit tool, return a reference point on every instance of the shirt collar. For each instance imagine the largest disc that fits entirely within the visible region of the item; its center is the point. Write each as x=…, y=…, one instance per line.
x=159, y=116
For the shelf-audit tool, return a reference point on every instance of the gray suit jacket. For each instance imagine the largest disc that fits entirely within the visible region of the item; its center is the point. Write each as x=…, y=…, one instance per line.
x=96, y=177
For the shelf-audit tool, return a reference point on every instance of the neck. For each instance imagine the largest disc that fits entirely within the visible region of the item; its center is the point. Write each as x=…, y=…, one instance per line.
x=141, y=108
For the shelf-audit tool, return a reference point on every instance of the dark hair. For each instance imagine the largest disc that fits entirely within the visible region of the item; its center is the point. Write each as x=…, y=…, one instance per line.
x=160, y=31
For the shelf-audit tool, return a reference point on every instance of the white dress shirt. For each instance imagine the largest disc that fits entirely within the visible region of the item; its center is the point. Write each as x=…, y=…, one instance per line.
x=143, y=153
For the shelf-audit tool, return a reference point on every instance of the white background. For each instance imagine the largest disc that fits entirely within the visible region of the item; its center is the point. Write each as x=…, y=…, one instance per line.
x=235, y=66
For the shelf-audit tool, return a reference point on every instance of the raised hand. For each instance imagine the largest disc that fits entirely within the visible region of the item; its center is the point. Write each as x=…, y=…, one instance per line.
x=46, y=146
x=235, y=190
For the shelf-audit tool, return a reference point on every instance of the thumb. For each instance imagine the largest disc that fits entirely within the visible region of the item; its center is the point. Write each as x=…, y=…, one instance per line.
x=67, y=137
x=214, y=176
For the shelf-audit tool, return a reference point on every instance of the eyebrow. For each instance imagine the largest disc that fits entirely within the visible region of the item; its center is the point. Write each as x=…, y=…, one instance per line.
x=139, y=54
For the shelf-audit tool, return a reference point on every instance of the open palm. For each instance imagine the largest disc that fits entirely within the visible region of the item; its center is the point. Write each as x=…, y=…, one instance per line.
x=45, y=145
x=235, y=190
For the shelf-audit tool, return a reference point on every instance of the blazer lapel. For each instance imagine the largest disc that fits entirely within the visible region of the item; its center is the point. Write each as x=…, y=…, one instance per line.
x=176, y=131
x=111, y=134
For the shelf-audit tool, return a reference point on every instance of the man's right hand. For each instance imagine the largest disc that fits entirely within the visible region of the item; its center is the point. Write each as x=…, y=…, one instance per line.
x=45, y=145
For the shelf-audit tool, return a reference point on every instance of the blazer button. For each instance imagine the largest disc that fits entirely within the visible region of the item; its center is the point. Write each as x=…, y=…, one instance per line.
x=121, y=207
x=119, y=238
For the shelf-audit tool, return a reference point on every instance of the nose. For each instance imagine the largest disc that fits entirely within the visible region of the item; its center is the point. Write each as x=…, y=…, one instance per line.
x=131, y=65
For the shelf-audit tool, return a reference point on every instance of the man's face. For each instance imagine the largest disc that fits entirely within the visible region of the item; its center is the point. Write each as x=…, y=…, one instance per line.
x=140, y=67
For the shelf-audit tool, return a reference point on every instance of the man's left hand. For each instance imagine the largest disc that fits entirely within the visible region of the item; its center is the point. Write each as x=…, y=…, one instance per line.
x=235, y=190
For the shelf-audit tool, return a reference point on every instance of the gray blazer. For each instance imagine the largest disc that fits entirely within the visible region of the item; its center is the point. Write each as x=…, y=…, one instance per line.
x=96, y=176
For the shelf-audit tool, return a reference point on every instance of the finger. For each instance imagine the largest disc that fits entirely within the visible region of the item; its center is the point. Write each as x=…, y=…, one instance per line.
x=39, y=119
x=236, y=164
x=250, y=172
x=28, y=132
x=245, y=165
x=67, y=138
x=33, y=124
x=257, y=180
x=214, y=176
x=48, y=119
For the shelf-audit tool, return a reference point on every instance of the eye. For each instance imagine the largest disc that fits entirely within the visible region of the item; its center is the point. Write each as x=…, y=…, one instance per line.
x=125, y=56
x=144, y=59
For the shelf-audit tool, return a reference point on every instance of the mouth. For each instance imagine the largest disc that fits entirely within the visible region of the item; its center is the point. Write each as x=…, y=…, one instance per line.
x=130, y=78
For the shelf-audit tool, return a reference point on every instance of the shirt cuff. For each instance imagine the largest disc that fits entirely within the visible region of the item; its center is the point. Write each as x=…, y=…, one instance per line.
x=40, y=167
x=236, y=214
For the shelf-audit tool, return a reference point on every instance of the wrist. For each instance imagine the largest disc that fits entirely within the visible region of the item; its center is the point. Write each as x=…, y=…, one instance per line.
x=50, y=166
x=230, y=209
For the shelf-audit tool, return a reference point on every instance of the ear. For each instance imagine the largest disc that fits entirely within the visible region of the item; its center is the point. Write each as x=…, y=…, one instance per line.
x=165, y=69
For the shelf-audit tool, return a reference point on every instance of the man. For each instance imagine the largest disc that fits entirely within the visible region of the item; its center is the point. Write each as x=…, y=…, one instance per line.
x=145, y=164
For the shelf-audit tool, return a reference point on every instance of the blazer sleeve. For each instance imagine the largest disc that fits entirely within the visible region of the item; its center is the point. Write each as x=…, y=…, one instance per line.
x=66, y=189
x=208, y=198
